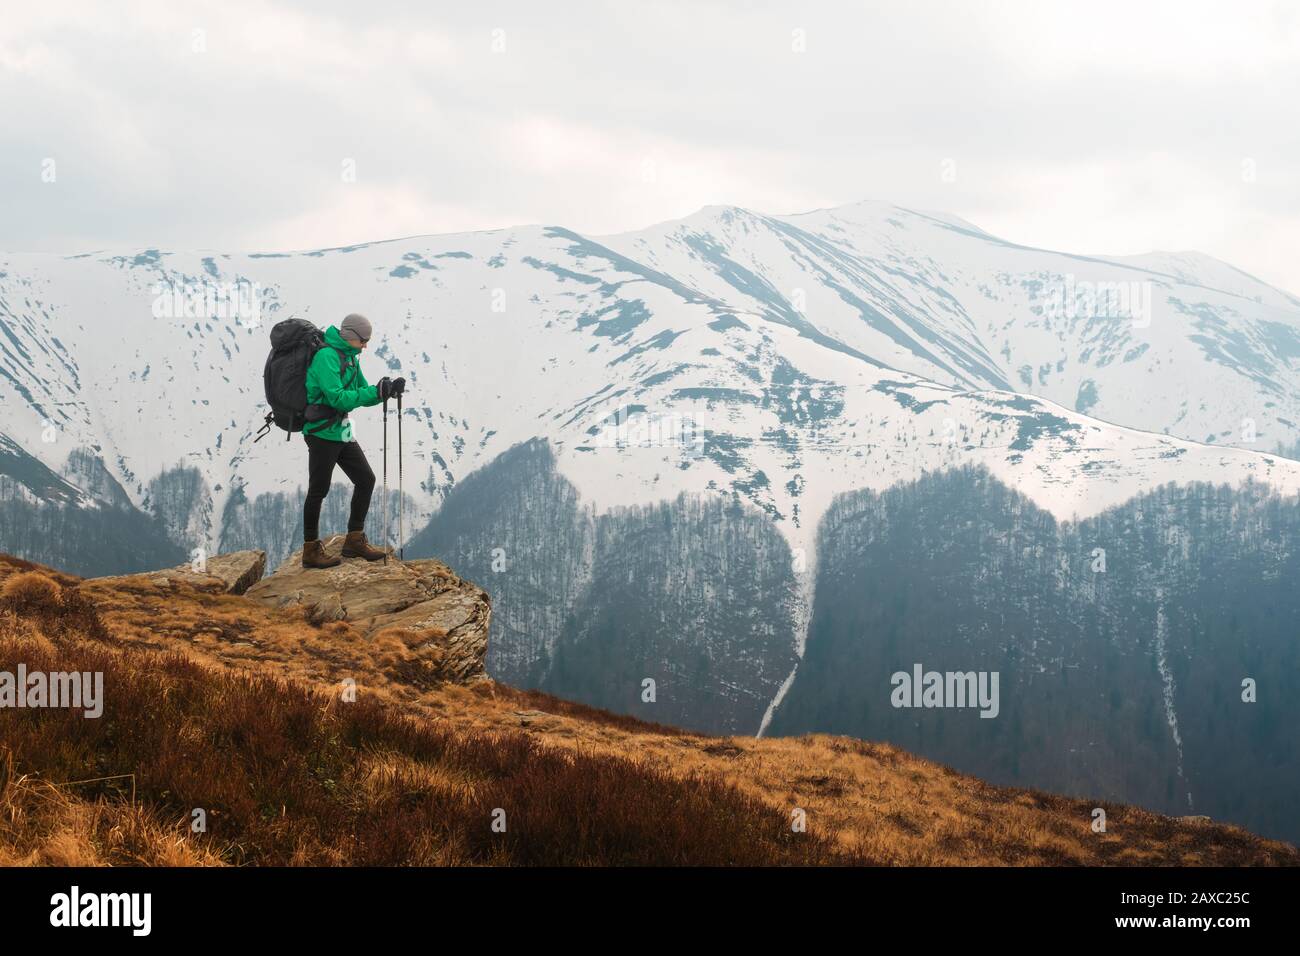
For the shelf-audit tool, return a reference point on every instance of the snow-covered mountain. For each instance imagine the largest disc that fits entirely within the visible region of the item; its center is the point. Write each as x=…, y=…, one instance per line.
x=759, y=460
x=787, y=358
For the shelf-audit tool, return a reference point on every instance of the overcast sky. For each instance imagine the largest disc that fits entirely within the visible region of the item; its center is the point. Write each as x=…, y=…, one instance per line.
x=1093, y=127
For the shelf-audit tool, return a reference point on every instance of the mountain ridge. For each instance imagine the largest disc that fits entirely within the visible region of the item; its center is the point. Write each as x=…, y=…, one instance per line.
x=764, y=407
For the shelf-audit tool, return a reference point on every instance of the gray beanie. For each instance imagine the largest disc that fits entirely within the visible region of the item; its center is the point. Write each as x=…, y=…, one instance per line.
x=355, y=328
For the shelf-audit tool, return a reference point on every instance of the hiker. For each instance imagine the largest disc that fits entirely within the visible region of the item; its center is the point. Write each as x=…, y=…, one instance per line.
x=335, y=386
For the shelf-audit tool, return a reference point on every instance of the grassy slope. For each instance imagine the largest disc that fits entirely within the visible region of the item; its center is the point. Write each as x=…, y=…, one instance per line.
x=214, y=702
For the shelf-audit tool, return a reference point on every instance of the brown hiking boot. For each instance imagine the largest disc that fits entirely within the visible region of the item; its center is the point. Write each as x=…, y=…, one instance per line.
x=314, y=556
x=355, y=545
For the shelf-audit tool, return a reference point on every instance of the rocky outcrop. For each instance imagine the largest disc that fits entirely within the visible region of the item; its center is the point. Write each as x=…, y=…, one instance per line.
x=417, y=621
x=232, y=573
x=439, y=617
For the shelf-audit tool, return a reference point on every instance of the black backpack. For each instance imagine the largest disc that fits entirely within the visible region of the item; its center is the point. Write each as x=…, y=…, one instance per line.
x=294, y=343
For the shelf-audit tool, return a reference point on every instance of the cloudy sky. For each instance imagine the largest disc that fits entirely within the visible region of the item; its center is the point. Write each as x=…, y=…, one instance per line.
x=241, y=125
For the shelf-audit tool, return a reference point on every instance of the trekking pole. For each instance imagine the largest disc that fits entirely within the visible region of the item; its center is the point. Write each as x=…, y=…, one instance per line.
x=383, y=500
x=401, y=501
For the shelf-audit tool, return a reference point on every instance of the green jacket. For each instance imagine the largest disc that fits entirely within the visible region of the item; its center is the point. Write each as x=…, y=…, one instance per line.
x=342, y=389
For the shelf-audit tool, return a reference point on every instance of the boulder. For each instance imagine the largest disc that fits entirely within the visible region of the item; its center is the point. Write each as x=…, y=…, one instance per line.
x=439, y=619
x=326, y=608
x=232, y=573
x=240, y=570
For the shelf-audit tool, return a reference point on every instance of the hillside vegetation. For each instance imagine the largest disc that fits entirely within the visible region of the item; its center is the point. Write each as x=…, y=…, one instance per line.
x=217, y=704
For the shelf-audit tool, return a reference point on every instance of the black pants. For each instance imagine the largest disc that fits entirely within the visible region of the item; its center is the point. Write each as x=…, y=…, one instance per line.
x=323, y=455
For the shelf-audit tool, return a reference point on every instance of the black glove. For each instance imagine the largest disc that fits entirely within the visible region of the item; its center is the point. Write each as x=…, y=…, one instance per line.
x=385, y=388
x=398, y=387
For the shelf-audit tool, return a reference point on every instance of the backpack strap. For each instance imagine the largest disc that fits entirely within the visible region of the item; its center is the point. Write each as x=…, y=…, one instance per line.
x=344, y=365
x=321, y=425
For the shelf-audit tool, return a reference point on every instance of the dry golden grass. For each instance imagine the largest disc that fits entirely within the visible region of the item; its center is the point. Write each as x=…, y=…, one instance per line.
x=238, y=711
x=29, y=591
x=288, y=773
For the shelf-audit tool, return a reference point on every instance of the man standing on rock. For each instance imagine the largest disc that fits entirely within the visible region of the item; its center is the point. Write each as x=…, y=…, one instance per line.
x=335, y=386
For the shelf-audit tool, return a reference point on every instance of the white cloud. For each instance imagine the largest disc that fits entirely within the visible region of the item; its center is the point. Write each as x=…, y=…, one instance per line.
x=353, y=213
x=1089, y=126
